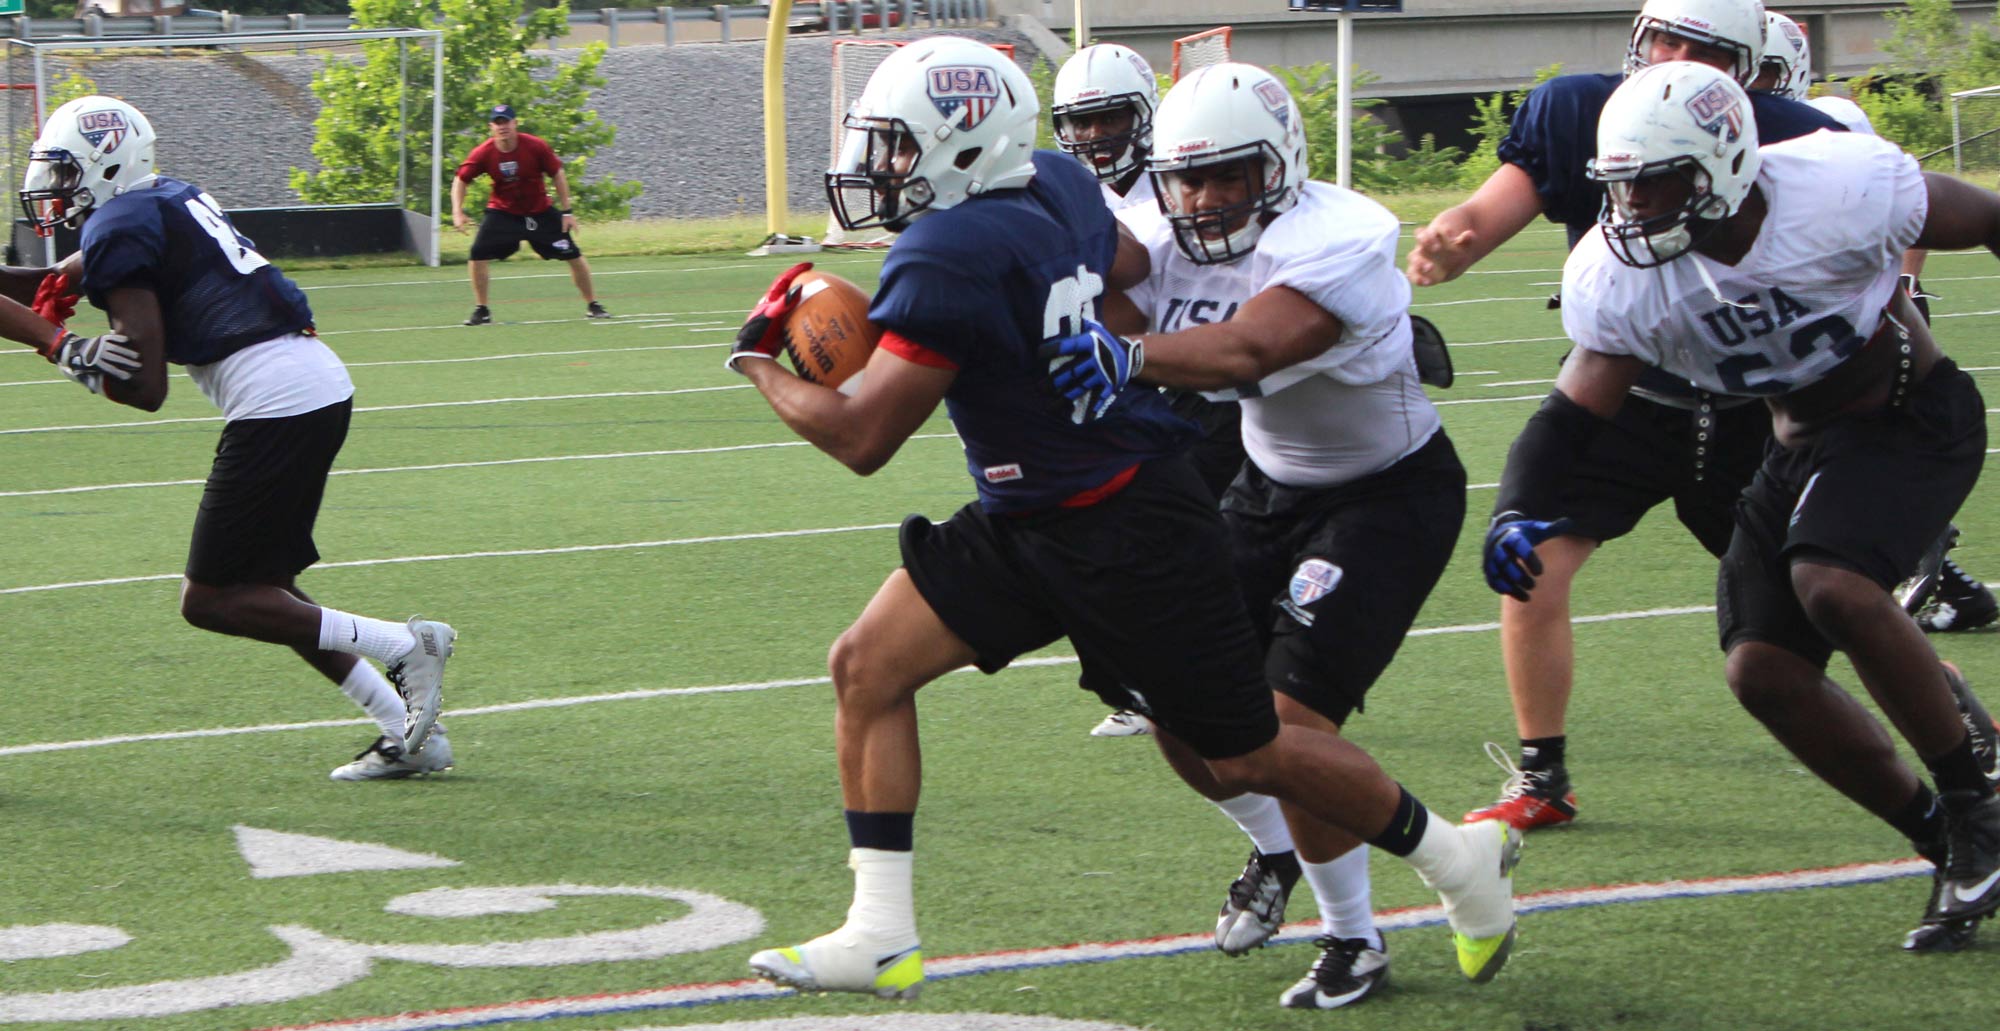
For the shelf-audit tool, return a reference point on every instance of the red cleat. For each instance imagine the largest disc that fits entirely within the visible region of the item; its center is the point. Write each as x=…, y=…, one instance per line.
x=1531, y=799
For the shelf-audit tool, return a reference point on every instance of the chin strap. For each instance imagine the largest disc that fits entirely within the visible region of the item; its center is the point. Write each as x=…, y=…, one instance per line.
x=1716, y=291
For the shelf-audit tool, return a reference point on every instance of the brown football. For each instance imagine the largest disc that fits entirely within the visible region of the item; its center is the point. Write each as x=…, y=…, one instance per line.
x=827, y=335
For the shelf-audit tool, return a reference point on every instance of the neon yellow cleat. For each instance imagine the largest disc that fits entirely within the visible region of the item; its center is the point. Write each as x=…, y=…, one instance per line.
x=1482, y=913
x=844, y=961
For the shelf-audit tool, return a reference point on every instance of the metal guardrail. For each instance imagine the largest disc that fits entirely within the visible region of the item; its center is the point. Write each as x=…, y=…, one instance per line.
x=833, y=16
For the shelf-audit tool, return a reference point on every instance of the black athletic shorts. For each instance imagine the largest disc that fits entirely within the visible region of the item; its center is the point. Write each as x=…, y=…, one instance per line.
x=501, y=234
x=1648, y=456
x=263, y=493
x=1334, y=576
x=1869, y=494
x=1141, y=585
x=1218, y=455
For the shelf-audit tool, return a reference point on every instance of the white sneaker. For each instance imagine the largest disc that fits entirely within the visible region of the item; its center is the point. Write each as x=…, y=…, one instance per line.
x=386, y=760
x=845, y=961
x=1348, y=970
x=1123, y=723
x=420, y=677
x=1480, y=908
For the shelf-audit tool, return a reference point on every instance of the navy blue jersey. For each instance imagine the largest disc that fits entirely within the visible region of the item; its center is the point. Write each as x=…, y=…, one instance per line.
x=1554, y=135
x=982, y=285
x=217, y=294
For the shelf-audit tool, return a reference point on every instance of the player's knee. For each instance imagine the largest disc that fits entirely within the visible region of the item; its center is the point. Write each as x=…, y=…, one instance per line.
x=1763, y=680
x=205, y=608
x=1259, y=771
x=862, y=678
x=1836, y=601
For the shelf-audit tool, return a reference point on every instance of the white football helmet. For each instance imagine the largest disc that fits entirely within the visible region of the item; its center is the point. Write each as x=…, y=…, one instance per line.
x=1679, y=119
x=1787, y=53
x=942, y=119
x=1102, y=78
x=1736, y=26
x=1226, y=120
x=91, y=150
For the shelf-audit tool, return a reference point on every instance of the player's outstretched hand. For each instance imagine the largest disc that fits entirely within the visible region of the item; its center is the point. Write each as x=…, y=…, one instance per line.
x=1440, y=255
x=1511, y=562
x=763, y=333
x=1091, y=367
x=55, y=298
x=88, y=360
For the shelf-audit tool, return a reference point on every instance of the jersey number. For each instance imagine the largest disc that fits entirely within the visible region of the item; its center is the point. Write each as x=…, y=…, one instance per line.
x=1071, y=300
x=1831, y=329
x=235, y=246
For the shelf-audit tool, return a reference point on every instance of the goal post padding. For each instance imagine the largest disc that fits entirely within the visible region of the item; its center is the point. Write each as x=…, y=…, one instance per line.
x=236, y=114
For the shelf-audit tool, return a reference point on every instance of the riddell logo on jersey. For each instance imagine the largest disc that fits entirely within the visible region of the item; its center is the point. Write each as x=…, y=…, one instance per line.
x=1001, y=473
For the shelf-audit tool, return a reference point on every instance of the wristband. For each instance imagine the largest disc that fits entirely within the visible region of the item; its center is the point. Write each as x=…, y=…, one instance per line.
x=564, y=211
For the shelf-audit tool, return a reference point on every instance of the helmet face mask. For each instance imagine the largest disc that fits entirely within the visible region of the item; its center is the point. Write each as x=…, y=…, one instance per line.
x=1649, y=240
x=90, y=150
x=1787, y=58
x=1243, y=177
x=941, y=120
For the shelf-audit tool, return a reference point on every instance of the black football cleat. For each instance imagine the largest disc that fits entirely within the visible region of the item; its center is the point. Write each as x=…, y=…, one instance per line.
x=479, y=317
x=1970, y=885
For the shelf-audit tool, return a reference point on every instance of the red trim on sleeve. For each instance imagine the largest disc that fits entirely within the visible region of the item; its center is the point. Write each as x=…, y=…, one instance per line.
x=1087, y=498
x=911, y=351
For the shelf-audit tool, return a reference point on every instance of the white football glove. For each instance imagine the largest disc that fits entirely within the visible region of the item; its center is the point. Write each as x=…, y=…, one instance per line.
x=88, y=360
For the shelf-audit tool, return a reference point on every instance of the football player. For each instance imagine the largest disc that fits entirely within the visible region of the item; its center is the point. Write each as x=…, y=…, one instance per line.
x=180, y=285
x=1671, y=443
x=1771, y=272
x=1089, y=523
x=1942, y=597
x=1286, y=293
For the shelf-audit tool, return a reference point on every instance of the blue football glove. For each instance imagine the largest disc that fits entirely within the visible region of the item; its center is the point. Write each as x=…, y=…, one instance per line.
x=1511, y=562
x=1091, y=367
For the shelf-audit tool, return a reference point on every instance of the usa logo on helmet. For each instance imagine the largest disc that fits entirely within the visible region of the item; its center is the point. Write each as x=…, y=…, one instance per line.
x=966, y=87
x=1275, y=101
x=104, y=129
x=1716, y=110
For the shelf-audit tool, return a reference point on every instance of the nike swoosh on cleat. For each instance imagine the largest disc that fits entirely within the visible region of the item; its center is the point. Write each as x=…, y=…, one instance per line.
x=1978, y=889
x=891, y=960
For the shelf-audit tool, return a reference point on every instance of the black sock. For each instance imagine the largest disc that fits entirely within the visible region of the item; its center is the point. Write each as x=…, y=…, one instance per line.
x=1958, y=770
x=1921, y=819
x=888, y=832
x=1542, y=753
x=1406, y=828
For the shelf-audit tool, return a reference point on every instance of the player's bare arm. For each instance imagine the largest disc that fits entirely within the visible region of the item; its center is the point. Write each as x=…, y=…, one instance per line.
x=135, y=313
x=457, y=203
x=19, y=282
x=862, y=431
x=1598, y=382
x=1277, y=328
x=1120, y=315
x=1460, y=237
x=20, y=324
x=561, y=179
x=1961, y=216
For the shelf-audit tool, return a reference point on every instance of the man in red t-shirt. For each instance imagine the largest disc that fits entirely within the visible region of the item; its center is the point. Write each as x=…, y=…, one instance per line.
x=519, y=210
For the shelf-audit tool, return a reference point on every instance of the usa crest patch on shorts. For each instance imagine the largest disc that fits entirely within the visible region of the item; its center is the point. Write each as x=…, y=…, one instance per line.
x=1314, y=579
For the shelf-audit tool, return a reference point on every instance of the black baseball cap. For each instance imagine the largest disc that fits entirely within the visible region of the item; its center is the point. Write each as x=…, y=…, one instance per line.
x=501, y=113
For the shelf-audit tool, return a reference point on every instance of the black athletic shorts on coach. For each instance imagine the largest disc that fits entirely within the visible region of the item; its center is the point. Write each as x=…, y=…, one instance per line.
x=502, y=233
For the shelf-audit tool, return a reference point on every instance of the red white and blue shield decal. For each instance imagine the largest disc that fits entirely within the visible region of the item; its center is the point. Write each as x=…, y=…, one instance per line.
x=964, y=87
x=1719, y=111
x=1314, y=579
x=104, y=129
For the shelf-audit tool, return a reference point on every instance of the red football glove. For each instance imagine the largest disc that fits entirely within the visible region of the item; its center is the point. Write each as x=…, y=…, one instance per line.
x=55, y=299
x=763, y=333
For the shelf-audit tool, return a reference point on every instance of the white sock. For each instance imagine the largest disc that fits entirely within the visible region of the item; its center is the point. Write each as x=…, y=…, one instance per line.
x=885, y=905
x=1340, y=886
x=379, y=639
x=1262, y=820
x=372, y=691
x=1439, y=855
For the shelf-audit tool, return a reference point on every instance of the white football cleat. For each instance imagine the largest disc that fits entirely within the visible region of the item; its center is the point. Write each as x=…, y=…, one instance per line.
x=845, y=961
x=1123, y=723
x=1480, y=907
x=386, y=760
x=419, y=675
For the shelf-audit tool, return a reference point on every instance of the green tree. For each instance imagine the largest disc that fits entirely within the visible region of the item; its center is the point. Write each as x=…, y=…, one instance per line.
x=1490, y=124
x=359, y=139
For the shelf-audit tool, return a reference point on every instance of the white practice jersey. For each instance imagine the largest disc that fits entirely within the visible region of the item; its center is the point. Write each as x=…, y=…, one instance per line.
x=1846, y=112
x=1354, y=409
x=1843, y=209
x=1142, y=194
